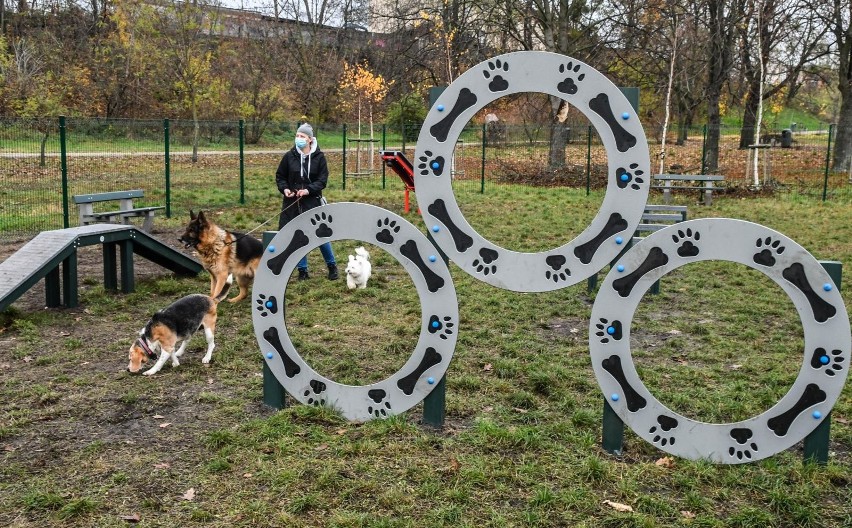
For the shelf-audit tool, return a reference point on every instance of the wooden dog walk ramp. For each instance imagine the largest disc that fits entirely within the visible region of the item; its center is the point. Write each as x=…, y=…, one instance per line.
x=42, y=256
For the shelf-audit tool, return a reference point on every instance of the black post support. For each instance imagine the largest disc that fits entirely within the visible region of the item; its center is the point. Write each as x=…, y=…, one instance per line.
x=434, y=404
x=274, y=395
x=63, y=162
x=69, y=281
x=816, y=443
x=613, y=431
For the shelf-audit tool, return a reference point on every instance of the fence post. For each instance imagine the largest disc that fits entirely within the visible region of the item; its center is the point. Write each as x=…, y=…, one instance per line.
x=168, y=170
x=816, y=443
x=827, y=161
x=403, y=136
x=588, y=160
x=704, y=149
x=242, y=163
x=63, y=161
x=482, y=173
x=344, y=156
x=384, y=146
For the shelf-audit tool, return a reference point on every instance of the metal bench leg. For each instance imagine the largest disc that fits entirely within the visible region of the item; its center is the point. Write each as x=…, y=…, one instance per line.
x=708, y=193
x=69, y=281
x=434, y=405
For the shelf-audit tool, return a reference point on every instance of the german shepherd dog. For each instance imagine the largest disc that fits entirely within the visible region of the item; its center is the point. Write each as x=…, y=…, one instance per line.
x=222, y=253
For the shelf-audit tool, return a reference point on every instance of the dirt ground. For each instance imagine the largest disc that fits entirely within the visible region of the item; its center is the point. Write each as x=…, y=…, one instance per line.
x=71, y=391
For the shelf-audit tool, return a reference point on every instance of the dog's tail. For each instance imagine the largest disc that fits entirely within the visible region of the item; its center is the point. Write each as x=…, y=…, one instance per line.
x=360, y=251
x=225, y=289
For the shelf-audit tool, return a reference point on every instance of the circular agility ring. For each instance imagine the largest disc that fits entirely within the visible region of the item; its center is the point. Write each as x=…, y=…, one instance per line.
x=439, y=310
x=628, y=180
x=824, y=319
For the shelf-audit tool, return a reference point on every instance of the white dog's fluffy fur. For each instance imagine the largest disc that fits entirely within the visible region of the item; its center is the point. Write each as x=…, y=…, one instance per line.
x=359, y=269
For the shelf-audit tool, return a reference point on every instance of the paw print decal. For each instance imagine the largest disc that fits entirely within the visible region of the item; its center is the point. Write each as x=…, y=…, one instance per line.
x=556, y=263
x=832, y=362
x=484, y=263
x=322, y=219
x=313, y=394
x=444, y=326
x=381, y=410
x=632, y=177
x=767, y=249
x=435, y=165
x=688, y=247
x=744, y=448
x=661, y=433
x=568, y=86
x=388, y=228
x=498, y=83
x=606, y=331
x=266, y=305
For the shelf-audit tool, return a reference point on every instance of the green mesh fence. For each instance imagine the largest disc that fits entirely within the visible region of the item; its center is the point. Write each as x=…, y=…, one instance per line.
x=203, y=169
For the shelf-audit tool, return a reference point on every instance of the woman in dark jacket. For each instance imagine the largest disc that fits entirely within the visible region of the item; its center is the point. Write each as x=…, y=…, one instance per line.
x=301, y=177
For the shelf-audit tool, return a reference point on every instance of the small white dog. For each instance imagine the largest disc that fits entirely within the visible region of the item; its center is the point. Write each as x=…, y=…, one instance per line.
x=359, y=269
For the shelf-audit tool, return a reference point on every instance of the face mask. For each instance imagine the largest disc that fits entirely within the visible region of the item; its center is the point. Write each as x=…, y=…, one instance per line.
x=301, y=143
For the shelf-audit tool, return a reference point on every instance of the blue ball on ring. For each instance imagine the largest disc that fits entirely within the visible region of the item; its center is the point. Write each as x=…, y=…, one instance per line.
x=817, y=415
x=826, y=287
x=269, y=304
x=436, y=165
x=432, y=258
x=436, y=228
x=824, y=360
x=610, y=330
x=430, y=381
x=614, y=397
x=625, y=116
x=269, y=355
x=620, y=268
x=435, y=324
x=271, y=249
x=624, y=177
x=440, y=108
x=619, y=240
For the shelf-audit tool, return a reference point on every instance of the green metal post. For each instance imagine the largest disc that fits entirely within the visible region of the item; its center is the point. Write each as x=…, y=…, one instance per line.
x=274, y=395
x=384, y=146
x=482, y=173
x=588, y=160
x=403, y=137
x=344, y=156
x=704, y=150
x=242, y=163
x=816, y=443
x=168, y=170
x=613, y=431
x=64, y=166
x=827, y=161
x=434, y=404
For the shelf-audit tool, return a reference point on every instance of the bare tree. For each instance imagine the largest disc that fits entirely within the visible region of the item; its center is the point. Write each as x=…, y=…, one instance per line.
x=839, y=20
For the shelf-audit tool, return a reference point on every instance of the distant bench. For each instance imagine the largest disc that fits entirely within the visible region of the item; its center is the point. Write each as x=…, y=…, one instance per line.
x=705, y=183
x=654, y=218
x=126, y=211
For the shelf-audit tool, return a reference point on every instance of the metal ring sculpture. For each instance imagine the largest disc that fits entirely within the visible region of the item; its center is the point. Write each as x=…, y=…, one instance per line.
x=627, y=186
x=431, y=277
x=826, y=327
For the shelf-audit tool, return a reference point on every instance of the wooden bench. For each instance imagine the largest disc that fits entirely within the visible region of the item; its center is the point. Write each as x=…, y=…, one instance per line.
x=654, y=218
x=705, y=183
x=126, y=211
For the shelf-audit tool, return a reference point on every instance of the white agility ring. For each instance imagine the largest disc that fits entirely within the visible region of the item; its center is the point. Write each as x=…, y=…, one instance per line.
x=824, y=319
x=431, y=276
x=628, y=182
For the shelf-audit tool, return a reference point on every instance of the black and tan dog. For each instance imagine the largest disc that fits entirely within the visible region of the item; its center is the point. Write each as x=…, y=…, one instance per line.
x=177, y=322
x=222, y=253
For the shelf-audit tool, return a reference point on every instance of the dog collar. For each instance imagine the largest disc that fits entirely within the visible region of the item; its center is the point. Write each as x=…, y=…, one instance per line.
x=144, y=346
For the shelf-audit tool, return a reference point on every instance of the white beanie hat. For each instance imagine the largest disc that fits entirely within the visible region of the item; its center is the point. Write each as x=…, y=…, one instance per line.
x=306, y=129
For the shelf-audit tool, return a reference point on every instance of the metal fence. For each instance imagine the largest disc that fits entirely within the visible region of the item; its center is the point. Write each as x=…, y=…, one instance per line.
x=44, y=162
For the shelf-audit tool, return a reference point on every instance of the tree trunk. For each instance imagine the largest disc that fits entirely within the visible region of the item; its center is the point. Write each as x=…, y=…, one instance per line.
x=195, y=131
x=558, y=141
x=843, y=140
x=748, y=135
x=42, y=162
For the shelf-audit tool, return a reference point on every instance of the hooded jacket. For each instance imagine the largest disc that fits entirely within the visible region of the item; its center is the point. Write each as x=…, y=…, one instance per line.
x=301, y=171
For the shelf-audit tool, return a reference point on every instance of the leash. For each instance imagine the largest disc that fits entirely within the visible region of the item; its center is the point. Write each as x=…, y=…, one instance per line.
x=271, y=218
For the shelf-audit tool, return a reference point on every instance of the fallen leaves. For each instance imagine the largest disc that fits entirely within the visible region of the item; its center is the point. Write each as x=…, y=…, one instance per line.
x=617, y=506
x=165, y=424
x=162, y=465
x=134, y=518
x=189, y=495
x=665, y=462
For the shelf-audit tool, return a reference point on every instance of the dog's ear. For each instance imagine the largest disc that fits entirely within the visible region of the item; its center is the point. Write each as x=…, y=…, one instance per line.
x=191, y=215
x=351, y=258
x=201, y=217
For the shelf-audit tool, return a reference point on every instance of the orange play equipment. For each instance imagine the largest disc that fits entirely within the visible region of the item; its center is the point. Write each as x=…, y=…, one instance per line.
x=397, y=161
